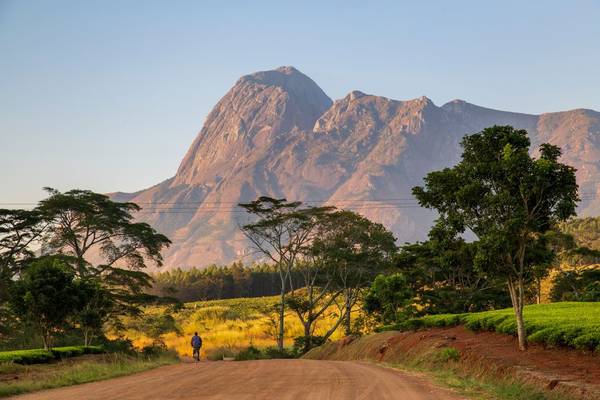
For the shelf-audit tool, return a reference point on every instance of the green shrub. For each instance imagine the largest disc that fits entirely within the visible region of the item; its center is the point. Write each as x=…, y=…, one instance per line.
x=36, y=356
x=448, y=354
x=39, y=356
x=274, y=352
x=301, y=346
x=249, y=353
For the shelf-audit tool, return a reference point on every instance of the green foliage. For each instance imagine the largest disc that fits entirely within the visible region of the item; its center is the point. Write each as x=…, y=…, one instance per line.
x=568, y=324
x=46, y=295
x=303, y=344
x=275, y=353
x=448, y=354
x=220, y=282
x=509, y=200
x=442, y=273
x=390, y=298
x=37, y=356
x=576, y=285
x=249, y=353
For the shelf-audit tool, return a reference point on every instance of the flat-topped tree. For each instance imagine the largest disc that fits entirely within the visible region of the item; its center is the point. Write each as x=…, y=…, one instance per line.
x=509, y=200
x=104, y=242
x=282, y=232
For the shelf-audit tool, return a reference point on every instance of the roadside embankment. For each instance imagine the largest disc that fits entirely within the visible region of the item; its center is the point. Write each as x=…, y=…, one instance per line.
x=485, y=357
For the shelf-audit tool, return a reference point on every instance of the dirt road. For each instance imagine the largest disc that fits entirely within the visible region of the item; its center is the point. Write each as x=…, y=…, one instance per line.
x=268, y=379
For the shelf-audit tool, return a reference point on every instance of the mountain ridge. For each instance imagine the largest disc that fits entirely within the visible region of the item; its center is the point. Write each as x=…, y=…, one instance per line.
x=277, y=133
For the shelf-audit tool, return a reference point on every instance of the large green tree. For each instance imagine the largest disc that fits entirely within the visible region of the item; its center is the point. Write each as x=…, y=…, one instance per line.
x=509, y=200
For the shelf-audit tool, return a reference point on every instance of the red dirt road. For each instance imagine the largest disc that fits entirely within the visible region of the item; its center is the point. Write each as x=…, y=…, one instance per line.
x=267, y=379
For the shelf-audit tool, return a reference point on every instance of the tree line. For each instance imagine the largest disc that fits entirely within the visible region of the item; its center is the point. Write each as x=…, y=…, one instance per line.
x=219, y=282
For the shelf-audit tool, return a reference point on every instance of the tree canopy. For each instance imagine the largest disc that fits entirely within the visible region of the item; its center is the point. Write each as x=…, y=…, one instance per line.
x=509, y=200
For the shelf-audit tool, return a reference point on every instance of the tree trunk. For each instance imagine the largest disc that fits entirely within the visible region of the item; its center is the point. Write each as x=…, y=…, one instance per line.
x=46, y=340
x=307, y=336
x=348, y=317
x=516, y=296
x=87, y=337
x=281, y=318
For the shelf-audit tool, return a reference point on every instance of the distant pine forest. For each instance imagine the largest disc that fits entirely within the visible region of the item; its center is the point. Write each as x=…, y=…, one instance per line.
x=219, y=282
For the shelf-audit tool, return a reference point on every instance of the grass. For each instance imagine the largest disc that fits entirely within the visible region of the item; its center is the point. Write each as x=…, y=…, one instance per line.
x=569, y=324
x=446, y=367
x=230, y=326
x=70, y=372
x=37, y=356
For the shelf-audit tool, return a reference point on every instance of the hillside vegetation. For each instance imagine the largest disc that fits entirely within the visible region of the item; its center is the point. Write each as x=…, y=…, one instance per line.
x=226, y=326
x=569, y=324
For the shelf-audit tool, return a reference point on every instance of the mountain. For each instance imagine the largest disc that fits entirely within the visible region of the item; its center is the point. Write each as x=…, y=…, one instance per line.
x=277, y=133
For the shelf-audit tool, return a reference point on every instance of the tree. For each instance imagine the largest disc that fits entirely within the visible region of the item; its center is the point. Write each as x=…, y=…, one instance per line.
x=356, y=250
x=97, y=305
x=89, y=226
x=46, y=295
x=442, y=273
x=390, y=297
x=508, y=199
x=282, y=233
x=314, y=300
x=19, y=229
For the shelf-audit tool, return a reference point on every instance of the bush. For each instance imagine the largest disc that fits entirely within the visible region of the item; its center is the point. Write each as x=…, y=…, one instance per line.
x=119, y=345
x=39, y=356
x=155, y=349
x=274, y=352
x=449, y=354
x=302, y=344
x=249, y=353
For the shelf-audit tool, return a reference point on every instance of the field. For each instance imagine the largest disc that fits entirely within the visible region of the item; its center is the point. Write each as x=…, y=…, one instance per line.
x=569, y=324
x=229, y=325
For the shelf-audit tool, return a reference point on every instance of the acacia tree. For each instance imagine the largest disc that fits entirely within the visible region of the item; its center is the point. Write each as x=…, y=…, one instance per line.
x=355, y=249
x=91, y=227
x=509, y=200
x=19, y=231
x=282, y=232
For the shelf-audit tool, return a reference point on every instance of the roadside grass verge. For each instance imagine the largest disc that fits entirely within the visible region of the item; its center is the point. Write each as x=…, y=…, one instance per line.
x=445, y=367
x=71, y=372
x=38, y=356
x=568, y=324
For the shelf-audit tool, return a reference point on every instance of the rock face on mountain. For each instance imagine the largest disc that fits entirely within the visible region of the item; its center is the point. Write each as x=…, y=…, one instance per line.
x=277, y=133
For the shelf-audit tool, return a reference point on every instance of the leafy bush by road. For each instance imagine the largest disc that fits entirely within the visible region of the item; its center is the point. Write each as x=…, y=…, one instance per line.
x=39, y=356
x=569, y=324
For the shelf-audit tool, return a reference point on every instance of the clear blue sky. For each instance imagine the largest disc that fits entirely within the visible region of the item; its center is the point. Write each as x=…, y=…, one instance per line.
x=108, y=95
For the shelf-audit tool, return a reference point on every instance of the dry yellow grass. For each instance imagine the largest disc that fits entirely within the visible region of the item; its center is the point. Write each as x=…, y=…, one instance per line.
x=232, y=324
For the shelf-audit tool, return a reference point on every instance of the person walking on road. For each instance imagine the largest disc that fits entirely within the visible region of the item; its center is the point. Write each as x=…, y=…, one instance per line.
x=196, y=345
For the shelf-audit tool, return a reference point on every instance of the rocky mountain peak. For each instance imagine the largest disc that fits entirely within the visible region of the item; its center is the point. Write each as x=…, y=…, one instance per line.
x=276, y=133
